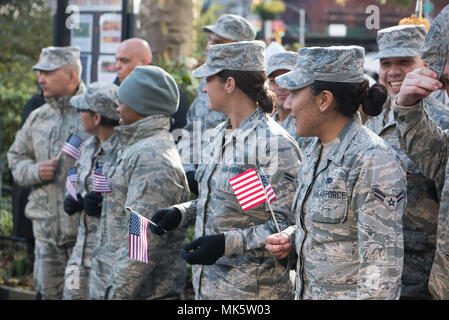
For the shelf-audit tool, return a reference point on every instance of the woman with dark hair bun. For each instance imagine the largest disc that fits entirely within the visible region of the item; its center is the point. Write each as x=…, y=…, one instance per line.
x=351, y=192
x=228, y=257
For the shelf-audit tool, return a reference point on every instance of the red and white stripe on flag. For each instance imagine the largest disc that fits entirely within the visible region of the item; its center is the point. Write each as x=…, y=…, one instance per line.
x=70, y=188
x=100, y=183
x=249, y=190
x=138, y=238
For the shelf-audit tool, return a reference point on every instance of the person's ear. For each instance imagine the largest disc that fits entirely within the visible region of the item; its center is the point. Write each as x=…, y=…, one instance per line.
x=325, y=100
x=230, y=84
x=97, y=119
x=74, y=77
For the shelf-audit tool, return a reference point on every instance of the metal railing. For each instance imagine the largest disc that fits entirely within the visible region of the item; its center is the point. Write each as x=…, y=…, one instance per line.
x=6, y=190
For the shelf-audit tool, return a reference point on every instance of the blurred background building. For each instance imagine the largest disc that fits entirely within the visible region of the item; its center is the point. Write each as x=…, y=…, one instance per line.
x=331, y=22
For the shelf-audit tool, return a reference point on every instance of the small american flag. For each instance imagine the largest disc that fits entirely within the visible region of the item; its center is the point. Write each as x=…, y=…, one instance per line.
x=72, y=146
x=250, y=190
x=72, y=180
x=138, y=240
x=100, y=182
x=266, y=185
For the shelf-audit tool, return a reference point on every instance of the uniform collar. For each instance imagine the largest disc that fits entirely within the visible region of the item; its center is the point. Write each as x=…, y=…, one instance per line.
x=345, y=137
x=143, y=128
x=109, y=146
x=247, y=125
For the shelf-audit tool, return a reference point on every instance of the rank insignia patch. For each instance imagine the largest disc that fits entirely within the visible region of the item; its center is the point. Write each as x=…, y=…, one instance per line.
x=391, y=202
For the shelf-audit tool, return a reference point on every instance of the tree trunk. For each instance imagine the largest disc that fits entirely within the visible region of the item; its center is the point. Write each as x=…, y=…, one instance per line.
x=168, y=26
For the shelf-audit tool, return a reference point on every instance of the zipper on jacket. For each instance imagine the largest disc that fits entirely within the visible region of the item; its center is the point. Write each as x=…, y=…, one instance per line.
x=301, y=219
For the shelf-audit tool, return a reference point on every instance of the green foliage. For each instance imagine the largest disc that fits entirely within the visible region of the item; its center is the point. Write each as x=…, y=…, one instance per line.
x=269, y=10
x=399, y=3
x=181, y=71
x=207, y=18
x=21, y=265
x=27, y=27
x=295, y=46
x=15, y=265
x=6, y=227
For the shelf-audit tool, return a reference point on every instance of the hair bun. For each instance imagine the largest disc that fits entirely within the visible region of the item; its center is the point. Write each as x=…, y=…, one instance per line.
x=374, y=99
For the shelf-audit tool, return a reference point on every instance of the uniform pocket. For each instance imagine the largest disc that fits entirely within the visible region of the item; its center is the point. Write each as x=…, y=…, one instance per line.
x=330, y=211
x=225, y=173
x=37, y=206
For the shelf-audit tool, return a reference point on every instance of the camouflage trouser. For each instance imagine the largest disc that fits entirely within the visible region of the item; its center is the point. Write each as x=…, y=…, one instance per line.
x=100, y=282
x=50, y=262
x=75, y=282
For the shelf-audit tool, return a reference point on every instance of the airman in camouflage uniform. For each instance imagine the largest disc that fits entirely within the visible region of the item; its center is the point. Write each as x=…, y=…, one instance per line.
x=38, y=143
x=147, y=175
x=420, y=218
x=100, y=98
x=277, y=63
x=228, y=28
x=350, y=197
x=244, y=270
x=425, y=141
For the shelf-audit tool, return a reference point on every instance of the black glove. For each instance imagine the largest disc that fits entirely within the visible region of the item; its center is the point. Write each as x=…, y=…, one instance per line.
x=167, y=219
x=193, y=184
x=72, y=206
x=92, y=203
x=206, y=251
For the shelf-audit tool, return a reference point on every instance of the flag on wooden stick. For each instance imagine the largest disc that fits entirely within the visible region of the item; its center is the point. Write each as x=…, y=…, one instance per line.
x=138, y=238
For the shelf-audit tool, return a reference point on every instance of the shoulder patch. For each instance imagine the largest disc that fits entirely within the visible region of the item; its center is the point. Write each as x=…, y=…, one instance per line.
x=391, y=202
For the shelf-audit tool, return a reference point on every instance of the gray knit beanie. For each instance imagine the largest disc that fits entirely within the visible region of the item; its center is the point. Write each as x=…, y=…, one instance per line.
x=150, y=90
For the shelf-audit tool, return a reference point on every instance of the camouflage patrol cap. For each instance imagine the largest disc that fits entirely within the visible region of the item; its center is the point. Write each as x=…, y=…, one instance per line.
x=335, y=64
x=101, y=98
x=400, y=41
x=242, y=56
x=54, y=58
x=436, y=45
x=283, y=60
x=232, y=27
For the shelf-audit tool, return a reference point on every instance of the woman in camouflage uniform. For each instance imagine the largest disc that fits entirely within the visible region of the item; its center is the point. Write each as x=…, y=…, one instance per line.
x=351, y=192
x=228, y=256
x=98, y=113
